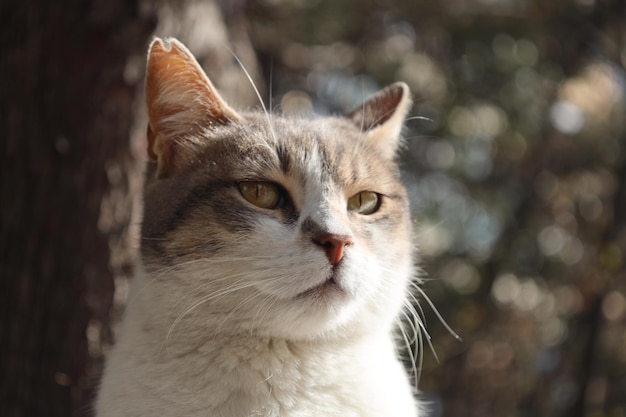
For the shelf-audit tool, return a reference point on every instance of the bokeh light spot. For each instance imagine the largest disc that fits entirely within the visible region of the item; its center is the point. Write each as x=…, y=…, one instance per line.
x=552, y=239
x=566, y=117
x=461, y=276
x=614, y=306
x=296, y=103
x=441, y=155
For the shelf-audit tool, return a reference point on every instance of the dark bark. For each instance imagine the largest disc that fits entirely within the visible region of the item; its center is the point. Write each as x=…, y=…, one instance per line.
x=65, y=115
x=72, y=137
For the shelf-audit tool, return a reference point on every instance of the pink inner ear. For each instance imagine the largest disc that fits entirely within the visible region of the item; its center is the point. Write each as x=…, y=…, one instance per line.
x=162, y=151
x=178, y=91
x=180, y=100
x=381, y=118
x=378, y=109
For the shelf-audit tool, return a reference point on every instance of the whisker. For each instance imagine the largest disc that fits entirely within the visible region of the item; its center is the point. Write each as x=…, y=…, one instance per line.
x=437, y=314
x=410, y=351
x=203, y=300
x=159, y=274
x=258, y=94
x=271, y=88
x=428, y=119
x=416, y=302
x=245, y=301
x=265, y=307
x=362, y=107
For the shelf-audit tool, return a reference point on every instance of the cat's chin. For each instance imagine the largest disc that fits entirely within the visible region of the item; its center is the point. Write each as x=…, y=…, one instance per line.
x=329, y=288
x=318, y=310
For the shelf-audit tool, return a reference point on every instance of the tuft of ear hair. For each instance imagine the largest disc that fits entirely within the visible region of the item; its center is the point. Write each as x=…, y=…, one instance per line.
x=382, y=116
x=181, y=101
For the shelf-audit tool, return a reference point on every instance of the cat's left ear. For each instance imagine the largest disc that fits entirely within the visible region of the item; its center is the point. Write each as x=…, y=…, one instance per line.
x=382, y=116
x=181, y=102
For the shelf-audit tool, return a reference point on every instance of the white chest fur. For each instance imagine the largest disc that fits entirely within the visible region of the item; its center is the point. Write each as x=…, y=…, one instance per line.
x=244, y=376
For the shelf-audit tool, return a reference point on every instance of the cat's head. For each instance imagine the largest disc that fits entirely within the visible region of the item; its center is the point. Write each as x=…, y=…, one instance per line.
x=282, y=227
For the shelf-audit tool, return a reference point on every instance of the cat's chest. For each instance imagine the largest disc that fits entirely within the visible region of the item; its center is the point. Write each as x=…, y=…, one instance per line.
x=285, y=380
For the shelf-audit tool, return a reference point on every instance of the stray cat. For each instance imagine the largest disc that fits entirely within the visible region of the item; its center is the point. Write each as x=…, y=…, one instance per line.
x=276, y=257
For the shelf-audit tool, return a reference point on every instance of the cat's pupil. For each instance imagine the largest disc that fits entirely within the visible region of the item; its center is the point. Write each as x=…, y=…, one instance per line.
x=365, y=202
x=263, y=194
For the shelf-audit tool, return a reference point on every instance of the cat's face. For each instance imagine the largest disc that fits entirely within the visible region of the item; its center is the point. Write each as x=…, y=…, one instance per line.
x=288, y=228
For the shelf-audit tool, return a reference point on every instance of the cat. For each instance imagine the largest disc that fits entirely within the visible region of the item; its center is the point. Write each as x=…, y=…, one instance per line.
x=276, y=259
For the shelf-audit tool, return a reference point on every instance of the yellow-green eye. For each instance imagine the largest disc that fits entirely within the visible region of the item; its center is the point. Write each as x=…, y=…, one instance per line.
x=365, y=202
x=262, y=194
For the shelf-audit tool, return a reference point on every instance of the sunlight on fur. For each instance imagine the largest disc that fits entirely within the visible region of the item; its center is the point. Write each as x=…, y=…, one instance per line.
x=296, y=305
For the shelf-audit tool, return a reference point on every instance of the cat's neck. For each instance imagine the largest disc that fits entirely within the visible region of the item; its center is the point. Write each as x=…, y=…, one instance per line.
x=258, y=374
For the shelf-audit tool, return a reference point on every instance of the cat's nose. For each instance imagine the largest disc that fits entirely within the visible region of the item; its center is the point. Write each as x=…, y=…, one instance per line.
x=333, y=244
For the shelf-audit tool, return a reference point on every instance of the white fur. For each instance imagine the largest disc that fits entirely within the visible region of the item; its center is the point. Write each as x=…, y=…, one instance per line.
x=225, y=337
x=245, y=330
x=159, y=370
x=255, y=377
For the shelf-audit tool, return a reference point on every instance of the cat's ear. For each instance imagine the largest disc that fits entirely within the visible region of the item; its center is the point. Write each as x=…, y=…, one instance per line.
x=181, y=101
x=381, y=117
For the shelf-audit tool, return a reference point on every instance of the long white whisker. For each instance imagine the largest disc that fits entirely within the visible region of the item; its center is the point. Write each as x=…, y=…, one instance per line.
x=410, y=350
x=420, y=350
x=159, y=274
x=428, y=119
x=271, y=83
x=421, y=317
x=441, y=319
x=363, y=107
x=203, y=300
x=258, y=94
x=245, y=301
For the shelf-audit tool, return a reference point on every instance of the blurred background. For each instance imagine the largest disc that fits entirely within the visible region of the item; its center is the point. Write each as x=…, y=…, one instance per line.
x=514, y=159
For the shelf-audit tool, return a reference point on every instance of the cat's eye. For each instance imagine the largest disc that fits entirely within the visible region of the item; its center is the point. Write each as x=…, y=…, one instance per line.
x=263, y=194
x=365, y=202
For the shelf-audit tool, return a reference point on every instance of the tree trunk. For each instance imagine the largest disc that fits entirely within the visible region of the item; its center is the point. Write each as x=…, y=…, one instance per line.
x=72, y=139
x=65, y=114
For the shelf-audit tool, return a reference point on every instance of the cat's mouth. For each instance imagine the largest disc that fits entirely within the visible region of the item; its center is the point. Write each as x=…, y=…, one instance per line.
x=329, y=287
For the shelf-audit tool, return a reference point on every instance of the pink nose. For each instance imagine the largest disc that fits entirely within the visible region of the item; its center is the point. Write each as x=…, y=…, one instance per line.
x=333, y=244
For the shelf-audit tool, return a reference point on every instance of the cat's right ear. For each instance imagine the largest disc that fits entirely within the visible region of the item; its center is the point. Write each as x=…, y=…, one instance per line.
x=181, y=102
x=381, y=118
